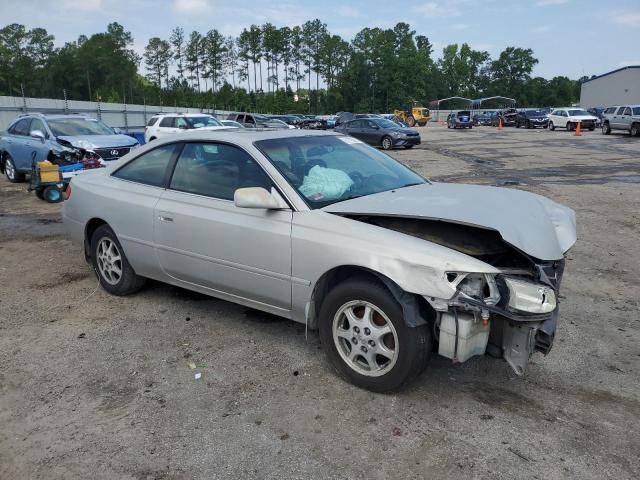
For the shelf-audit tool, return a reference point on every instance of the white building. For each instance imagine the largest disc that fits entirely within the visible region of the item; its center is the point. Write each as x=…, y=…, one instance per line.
x=619, y=87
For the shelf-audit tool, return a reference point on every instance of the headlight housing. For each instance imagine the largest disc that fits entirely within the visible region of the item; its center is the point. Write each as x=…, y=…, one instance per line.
x=530, y=297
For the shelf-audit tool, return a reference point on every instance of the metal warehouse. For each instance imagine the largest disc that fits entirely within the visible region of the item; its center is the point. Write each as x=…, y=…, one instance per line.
x=620, y=86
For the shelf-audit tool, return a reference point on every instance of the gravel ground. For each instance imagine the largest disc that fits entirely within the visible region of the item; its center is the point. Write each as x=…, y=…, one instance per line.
x=98, y=386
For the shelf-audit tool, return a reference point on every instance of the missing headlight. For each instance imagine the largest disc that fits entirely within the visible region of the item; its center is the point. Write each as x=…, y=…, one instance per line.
x=479, y=286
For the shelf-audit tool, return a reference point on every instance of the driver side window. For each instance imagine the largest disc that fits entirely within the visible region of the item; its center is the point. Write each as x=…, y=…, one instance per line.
x=216, y=170
x=181, y=123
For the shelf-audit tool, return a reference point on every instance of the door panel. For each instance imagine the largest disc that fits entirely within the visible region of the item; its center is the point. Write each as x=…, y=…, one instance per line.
x=203, y=238
x=214, y=244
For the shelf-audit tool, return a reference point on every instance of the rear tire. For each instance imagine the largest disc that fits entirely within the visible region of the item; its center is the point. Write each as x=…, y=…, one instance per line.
x=111, y=265
x=10, y=171
x=411, y=122
x=366, y=339
x=635, y=130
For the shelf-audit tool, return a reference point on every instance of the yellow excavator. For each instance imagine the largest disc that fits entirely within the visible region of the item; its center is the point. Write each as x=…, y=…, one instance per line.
x=413, y=113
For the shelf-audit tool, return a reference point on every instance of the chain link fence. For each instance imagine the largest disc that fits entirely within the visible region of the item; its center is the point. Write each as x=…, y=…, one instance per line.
x=129, y=118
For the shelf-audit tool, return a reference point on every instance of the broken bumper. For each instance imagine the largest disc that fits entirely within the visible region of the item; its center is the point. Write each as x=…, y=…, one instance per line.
x=501, y=330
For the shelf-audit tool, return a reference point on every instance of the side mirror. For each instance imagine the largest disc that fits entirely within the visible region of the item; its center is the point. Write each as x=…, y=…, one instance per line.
x=182, y=127
x=255, y=197
x=37, y=134
x=117, y=131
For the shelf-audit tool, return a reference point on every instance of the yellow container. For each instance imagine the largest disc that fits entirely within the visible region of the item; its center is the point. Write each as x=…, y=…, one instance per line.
x=48, y=172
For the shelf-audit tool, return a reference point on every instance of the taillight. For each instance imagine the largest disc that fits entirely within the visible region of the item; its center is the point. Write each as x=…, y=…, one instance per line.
x=66, y=193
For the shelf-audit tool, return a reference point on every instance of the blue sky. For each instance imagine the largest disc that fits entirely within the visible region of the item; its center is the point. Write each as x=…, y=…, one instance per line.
x=569, y=37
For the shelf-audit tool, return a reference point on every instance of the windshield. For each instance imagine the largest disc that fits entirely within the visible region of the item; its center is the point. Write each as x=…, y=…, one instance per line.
x=574, y=113
x=533, y=113
x=62, y=127
x=199, y=122
x=331, y=168
x=464, y=113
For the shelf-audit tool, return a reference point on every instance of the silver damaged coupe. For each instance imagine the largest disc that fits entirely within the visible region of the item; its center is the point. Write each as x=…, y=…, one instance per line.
x=325, y=230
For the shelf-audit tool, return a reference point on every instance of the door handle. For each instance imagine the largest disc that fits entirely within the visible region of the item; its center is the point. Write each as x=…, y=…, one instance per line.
x=164, y=218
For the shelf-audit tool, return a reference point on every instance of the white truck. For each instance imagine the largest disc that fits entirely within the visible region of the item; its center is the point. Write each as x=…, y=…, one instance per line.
x=622, y=117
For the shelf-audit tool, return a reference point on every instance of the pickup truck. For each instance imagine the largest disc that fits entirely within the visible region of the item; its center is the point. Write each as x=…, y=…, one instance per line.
x=622, y=117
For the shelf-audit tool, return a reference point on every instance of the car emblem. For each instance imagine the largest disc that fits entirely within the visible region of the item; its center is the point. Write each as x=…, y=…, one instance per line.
x=114, y=153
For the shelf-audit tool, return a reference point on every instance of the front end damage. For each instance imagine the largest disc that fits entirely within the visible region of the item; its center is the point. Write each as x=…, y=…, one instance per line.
x=507, y=315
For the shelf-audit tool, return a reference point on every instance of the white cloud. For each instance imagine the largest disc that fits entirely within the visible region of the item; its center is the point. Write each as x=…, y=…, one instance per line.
x=434, y=9
x=629, y=19
x=191, y=7
x=541, y=29
x=86, y=5
x=546, y=3
x=347, y=11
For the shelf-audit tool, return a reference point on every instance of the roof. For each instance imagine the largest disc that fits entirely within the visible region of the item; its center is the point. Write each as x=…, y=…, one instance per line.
x=179, y=114
x=612, y=72
x=479, y=101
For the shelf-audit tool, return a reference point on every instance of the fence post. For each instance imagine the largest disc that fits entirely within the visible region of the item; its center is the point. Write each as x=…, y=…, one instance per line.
x=24, y=99
x=66, y=102
x=126, y=121
x=99, y=113
x=144, y=109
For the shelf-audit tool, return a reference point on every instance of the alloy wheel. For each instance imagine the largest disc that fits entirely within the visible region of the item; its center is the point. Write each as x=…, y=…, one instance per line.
x=109, y=261
x=10, y=169
x=365, y=338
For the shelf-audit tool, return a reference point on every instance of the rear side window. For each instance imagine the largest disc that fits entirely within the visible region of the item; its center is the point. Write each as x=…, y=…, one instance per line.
x=636, y=110
x=167, y=122
x=152, y=122
x=149, y=168
x=21, y=127
x=216, y=170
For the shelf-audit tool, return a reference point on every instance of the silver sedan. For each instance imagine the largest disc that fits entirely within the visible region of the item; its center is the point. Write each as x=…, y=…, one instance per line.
x=322, y=229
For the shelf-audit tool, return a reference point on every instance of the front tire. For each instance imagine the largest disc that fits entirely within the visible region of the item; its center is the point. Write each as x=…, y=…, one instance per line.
x=411, y=122
x=111, y=265
x=10, y=171
x=606, y=128
x=366, y=338
x=552, y=127
x=570, y=127
x=387, y=143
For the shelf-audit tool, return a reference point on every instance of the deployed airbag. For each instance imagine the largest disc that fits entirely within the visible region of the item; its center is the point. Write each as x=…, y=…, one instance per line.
x=325, y=183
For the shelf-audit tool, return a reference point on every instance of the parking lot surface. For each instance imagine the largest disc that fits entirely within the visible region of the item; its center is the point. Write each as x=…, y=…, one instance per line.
x=98, y=386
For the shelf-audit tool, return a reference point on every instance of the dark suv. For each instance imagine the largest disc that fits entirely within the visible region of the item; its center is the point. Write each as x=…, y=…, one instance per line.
x=531, y=119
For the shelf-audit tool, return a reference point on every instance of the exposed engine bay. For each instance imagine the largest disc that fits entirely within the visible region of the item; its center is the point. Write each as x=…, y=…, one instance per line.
x=509, y=315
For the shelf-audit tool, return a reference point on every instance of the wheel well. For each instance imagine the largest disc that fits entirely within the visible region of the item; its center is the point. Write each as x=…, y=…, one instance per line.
x=409, y=302
x=89, y=229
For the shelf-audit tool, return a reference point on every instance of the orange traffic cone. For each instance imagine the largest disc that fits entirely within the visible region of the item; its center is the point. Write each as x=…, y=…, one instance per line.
x=499, y=123
x=577, y=134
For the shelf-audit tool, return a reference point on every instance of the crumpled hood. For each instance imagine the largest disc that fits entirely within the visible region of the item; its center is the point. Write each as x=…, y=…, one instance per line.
x=532, y=223
x=99, y=141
